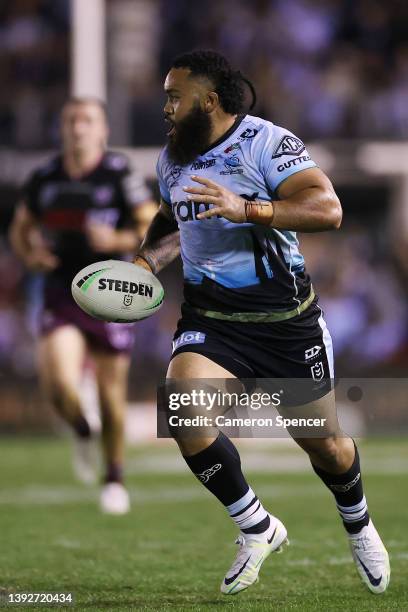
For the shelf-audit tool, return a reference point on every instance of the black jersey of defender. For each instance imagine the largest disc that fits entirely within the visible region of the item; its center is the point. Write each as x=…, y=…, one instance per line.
x=65, y=207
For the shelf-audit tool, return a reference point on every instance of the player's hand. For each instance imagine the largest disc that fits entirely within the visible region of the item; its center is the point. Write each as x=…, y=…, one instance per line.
x=40, y=259
x=102, y=238
x=225, y=203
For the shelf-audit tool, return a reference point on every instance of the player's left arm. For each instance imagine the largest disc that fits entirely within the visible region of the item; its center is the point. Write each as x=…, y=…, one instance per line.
x=307, y=203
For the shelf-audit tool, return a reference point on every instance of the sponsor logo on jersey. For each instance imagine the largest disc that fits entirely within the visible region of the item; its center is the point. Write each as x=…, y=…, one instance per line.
x=174, y=176
x=188, y=337
x=288, y=145
x=248, y=134
x=233, y=147
x=311, y=353
x=206, y=475
x=202, y=164
x=112, y=284
x=293, y=162
x=188, y=211
x=317, y=371
x=233, y=165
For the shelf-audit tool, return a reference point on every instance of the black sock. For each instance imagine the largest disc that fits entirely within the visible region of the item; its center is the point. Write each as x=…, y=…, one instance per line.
x=114, y=473
x=81, y=427
x=347, y=489
x=218, y=467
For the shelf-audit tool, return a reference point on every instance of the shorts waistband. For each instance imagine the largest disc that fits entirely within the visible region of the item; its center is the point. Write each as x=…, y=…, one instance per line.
x=258, y=317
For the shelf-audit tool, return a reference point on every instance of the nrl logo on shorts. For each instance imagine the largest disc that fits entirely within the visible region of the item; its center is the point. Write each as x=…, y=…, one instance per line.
x=128, y=299
x=288, y=145
x=317, y=371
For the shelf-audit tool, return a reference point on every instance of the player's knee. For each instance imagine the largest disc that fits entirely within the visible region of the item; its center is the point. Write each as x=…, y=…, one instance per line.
x=326, y=449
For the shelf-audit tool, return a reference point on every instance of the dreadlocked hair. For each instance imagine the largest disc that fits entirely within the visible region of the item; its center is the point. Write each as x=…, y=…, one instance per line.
x=228, y=83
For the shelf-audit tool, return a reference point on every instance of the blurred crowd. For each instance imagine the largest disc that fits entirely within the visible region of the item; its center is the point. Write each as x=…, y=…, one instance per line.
x=324, y=68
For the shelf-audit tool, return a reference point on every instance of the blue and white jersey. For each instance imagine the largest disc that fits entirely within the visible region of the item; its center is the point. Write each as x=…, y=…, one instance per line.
x=237, y=267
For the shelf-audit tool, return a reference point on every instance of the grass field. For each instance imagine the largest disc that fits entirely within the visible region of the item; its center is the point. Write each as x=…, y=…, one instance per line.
x=172, y=550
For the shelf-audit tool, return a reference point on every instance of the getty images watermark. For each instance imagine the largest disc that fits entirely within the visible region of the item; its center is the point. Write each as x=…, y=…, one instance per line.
x=246, y=408
x=217, y=400
x=281, y=408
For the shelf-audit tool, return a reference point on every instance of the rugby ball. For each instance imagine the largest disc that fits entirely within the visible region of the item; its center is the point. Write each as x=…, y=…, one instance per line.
x=117, y=291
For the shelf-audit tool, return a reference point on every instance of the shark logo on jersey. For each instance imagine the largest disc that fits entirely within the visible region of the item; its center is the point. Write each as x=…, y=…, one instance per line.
x=175, y=175
x=248, y=134
x=288, y=145
x=233, y=165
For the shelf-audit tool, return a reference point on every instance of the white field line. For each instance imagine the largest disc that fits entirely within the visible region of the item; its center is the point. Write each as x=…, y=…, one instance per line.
x=40, y=494
x=346, y=560
x=171, y=463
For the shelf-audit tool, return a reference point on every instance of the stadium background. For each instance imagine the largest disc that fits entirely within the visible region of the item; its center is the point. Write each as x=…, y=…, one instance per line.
x=335, y=72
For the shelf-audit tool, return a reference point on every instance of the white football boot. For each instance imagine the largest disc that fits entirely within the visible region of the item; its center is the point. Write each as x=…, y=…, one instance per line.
x=114, y=499
x=371, y=558
x=254, y=548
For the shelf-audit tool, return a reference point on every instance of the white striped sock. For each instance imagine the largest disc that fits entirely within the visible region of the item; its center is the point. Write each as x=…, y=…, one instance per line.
x=247, y=511
x=351, y=514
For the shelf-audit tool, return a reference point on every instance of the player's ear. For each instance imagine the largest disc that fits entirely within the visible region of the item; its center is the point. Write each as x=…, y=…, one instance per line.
x=211, y=102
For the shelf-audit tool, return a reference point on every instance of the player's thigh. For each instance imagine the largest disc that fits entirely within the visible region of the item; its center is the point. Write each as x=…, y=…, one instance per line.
x=189, y=365
x=191, y=372
x=111, y=373
x=61, y=355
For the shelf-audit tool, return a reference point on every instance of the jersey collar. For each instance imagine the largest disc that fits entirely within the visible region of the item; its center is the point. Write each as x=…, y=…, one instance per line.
x=226, y=134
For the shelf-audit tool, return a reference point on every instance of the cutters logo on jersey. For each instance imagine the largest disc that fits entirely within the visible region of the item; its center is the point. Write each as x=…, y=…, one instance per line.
x=288, y=145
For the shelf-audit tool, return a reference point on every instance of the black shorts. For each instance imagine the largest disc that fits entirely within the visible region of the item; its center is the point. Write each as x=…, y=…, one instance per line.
x=299, y=348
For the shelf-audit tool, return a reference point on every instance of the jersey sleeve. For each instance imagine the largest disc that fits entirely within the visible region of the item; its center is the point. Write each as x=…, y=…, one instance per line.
x=283, y=154
x=134, y=188
x=164, y=190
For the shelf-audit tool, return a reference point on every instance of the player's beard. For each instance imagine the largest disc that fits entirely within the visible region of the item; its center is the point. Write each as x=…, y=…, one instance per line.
x=191, y=137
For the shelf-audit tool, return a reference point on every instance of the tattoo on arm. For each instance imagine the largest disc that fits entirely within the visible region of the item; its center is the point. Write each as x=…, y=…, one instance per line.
x=162, y=242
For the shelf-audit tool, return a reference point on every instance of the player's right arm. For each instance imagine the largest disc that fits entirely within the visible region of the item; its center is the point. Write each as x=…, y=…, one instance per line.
x=27, y=243
x=161, y=244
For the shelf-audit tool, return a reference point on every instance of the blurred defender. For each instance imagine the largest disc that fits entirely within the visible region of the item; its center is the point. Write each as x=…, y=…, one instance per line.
x=235, y=188
x=83, y=206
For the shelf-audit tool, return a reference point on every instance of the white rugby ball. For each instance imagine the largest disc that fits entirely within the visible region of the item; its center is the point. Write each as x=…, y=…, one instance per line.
x=117, y=291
